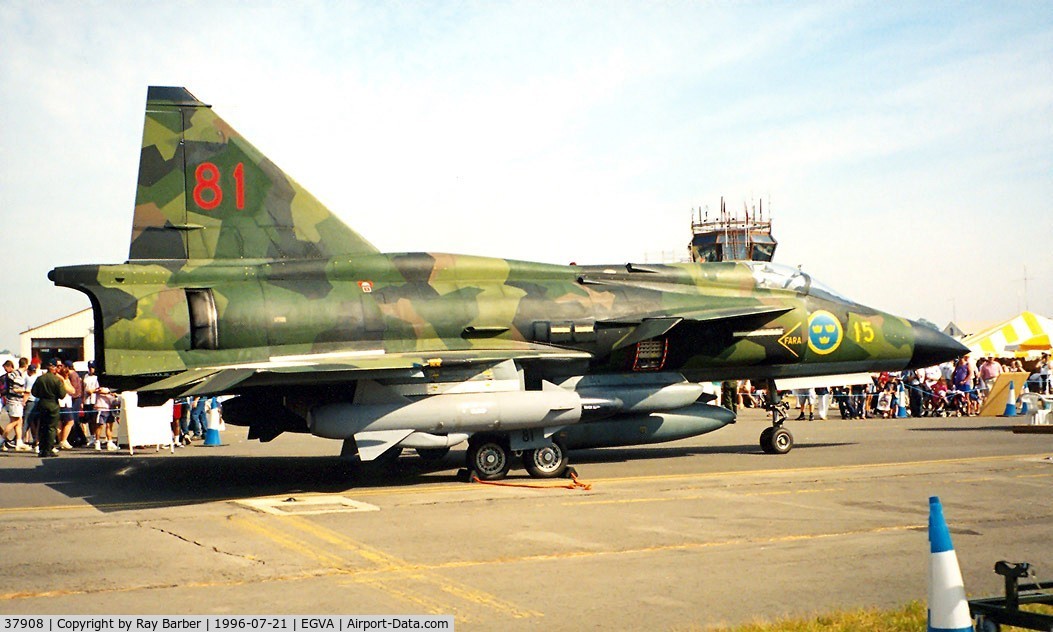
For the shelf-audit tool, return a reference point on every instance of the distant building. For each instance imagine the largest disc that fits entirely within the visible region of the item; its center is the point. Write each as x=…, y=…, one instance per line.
x=69, y=338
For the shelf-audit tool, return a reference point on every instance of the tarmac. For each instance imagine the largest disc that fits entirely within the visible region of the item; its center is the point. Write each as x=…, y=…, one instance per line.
x=685, y=535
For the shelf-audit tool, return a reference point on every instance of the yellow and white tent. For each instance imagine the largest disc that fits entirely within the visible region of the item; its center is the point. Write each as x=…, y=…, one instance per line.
x=1016, y=336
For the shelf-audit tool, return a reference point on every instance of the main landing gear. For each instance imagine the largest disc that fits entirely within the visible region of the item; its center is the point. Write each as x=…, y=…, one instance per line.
x=777, y=439
x=490, y=457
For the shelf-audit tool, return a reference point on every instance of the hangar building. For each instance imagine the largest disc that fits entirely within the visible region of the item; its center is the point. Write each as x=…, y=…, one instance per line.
x=69, y=338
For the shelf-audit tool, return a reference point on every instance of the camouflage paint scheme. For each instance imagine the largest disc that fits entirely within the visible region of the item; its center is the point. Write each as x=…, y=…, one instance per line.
x=294, y=297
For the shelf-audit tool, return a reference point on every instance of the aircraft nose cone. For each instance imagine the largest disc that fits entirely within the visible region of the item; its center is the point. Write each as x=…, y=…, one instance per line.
x=933, y=347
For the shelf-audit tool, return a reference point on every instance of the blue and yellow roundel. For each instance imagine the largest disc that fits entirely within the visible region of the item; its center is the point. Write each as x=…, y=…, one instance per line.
x=824, y=332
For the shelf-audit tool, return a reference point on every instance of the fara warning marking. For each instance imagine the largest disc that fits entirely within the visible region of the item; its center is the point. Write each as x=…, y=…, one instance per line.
x=789, y=338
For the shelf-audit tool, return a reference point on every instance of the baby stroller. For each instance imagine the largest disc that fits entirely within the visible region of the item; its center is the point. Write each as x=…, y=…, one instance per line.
x=935, y=404
x=957, y=403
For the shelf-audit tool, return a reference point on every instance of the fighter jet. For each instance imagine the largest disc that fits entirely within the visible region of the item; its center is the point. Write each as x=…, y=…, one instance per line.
x=240, y=282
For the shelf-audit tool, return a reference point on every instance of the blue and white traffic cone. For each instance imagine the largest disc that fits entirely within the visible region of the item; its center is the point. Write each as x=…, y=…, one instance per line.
x=948, y=609
x=1010, y=403
x=1023, y=402
x=901, y=402
x=212, y=432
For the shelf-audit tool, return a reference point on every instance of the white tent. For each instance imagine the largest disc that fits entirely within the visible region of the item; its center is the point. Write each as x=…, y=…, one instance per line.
x=1009, y=337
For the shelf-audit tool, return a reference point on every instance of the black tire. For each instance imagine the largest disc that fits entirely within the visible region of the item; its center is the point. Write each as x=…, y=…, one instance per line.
x=546, y=462
x=433, y=455
x=765, y=441
x=781, y=441
x=489, y=459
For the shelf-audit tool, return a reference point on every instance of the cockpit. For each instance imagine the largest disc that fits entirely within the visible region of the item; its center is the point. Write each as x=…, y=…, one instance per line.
x=772, y=276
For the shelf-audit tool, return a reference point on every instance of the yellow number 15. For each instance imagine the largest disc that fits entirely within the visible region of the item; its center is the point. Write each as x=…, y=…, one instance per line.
x=864, y=331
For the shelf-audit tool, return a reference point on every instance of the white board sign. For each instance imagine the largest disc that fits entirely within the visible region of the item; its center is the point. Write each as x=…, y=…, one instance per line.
x=147, y=425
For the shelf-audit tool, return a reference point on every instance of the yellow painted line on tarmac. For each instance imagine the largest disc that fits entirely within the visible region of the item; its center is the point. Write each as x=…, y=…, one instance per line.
x=628, y=501
x=665, y=548
x=145, y=504
x=398, y=575
x=396, y=588
x=186, y=502
x=386, y=562
x=264, y=526
x=370, y=554
x=389, y=573
x=788, y=492
x=321, y=557
x=47, y=594
x=659, y=499
x=809, y=470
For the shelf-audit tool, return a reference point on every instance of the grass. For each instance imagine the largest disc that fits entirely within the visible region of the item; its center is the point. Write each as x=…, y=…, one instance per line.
x=909, y=618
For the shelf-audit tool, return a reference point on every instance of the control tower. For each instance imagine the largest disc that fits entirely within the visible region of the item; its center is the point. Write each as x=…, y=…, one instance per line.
x=731, y=238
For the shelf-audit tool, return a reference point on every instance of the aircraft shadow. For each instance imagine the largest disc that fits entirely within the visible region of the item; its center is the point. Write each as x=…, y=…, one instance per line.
x=119, y=483
x=114, y=483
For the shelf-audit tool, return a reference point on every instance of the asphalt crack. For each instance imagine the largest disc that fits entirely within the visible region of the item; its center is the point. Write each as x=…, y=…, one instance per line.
x=215, y=549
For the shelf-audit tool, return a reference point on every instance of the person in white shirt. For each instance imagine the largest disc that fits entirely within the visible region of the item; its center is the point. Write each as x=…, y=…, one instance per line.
x=884, y=402
x=88, y=420
x=107, y=419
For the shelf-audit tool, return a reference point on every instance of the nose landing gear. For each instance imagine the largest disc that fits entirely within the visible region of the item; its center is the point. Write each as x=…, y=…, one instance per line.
x=777, y=439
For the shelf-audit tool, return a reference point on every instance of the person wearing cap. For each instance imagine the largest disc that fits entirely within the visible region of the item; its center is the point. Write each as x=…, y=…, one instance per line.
x=49, y=389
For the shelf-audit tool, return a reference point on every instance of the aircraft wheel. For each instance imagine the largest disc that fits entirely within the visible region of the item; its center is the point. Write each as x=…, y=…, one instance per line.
x=547, y=462
x=489, y=459
x=765, y=440
x=781, y=441
x=432, y=455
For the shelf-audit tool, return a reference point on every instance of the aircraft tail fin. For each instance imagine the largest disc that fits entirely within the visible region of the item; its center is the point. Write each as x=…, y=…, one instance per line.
x=206, y=193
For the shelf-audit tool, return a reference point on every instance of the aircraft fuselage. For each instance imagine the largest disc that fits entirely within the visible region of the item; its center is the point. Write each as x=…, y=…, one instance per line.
x=707, y=321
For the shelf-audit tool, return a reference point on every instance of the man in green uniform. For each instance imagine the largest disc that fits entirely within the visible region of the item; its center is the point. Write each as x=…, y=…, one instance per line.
x=48, y=390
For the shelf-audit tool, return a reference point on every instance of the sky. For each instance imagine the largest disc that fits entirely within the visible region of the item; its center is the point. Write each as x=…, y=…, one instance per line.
x=904, y=151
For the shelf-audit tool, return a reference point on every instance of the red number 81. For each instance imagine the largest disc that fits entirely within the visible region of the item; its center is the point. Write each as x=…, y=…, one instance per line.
x=206, y=178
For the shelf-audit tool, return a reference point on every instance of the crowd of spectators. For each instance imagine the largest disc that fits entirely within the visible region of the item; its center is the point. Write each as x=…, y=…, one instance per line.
x=954, y=388
x=88, y=415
